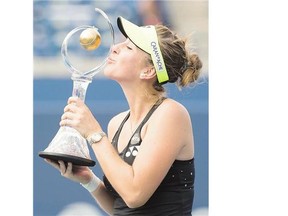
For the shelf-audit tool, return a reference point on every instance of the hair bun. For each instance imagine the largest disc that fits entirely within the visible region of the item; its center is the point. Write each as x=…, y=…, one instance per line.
x=191, y=70
x=196, y=63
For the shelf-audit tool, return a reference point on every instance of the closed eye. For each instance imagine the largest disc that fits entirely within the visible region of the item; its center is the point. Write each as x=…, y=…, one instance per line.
x=129, y=48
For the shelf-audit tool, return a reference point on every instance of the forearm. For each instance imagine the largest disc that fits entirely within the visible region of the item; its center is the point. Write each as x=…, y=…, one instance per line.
x=99, y=192
x=119, y=173
x=103, y=198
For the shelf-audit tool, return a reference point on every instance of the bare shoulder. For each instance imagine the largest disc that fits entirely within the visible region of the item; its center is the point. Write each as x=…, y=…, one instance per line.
x=172, y=127
x=171, y=118
x=172, y=109
x=169, y=130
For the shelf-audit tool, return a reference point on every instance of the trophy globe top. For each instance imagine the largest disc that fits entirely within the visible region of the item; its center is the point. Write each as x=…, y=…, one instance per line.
x=90, y=39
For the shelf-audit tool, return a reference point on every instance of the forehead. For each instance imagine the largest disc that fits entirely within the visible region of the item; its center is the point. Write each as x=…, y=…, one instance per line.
x=138, y=50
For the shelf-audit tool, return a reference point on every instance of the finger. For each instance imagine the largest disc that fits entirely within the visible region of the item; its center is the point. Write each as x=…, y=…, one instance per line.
x=70, y=107
x=72, y=100
x=53, y=163
x=67, y=115
x=62, y=167
x=64, y=122
x=69, y=167
x=76, y=102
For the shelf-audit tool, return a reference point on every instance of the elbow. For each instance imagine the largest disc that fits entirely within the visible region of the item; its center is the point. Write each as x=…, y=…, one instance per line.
x=134, y=203
x=135, y=200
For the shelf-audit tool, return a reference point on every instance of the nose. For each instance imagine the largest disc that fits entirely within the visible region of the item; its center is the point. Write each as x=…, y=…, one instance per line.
x=115, y=48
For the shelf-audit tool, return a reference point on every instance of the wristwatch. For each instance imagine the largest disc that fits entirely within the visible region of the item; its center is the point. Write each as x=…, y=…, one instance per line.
x=95, y=137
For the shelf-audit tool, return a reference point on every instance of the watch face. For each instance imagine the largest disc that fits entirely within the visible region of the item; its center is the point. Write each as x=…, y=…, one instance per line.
x=96, y=138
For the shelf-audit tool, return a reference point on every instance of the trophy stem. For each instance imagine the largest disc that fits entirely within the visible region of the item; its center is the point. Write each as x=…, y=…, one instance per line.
x=80, y=87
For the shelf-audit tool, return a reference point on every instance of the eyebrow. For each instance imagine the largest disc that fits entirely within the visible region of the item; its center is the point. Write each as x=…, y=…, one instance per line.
x=131, y=42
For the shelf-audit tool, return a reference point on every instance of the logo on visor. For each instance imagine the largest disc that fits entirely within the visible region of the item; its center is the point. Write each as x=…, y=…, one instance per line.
x=157, y=55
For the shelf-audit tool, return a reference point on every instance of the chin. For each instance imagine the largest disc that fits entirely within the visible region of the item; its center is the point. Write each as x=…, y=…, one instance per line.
x=108, y=72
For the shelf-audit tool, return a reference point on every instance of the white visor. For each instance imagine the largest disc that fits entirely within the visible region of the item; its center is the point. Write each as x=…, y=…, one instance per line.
x=145, y=38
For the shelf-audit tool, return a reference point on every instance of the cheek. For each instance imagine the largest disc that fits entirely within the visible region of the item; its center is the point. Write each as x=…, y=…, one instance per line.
x=126, y=67
x=118, y=71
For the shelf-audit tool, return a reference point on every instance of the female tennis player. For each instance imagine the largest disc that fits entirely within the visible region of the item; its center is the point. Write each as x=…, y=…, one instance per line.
x=147, y=156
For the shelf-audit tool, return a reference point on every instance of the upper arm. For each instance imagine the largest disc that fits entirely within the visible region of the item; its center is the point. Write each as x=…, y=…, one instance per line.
x=165, y=136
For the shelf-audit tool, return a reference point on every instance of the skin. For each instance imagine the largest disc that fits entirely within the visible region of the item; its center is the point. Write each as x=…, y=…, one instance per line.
x=166, y=136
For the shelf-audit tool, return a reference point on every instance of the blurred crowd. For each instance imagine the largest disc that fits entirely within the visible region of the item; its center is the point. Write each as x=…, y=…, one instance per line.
x=53, y=20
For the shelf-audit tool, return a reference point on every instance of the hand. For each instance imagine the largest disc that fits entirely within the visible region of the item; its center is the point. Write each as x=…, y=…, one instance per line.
x=81, y=174
x=78, y=116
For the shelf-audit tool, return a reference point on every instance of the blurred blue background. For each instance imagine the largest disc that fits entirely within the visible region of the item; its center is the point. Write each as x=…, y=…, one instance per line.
x=53, y=194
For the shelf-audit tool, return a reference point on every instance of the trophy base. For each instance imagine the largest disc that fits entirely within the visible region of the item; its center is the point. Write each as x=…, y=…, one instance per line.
x=67, y=158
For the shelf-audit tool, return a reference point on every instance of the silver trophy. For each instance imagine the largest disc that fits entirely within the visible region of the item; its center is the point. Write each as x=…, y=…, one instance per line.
x=68, y=144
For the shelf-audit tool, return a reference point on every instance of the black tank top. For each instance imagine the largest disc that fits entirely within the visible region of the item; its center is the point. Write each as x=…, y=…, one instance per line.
x=173, y=197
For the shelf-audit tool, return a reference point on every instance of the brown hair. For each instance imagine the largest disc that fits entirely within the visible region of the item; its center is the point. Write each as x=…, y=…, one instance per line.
x=183, y=66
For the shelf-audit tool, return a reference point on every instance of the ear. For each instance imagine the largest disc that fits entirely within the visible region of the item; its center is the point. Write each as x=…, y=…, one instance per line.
x=149, y=74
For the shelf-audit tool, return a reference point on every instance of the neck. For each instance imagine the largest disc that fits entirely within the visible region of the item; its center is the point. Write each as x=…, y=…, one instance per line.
x=138, y=113
x=140, y=101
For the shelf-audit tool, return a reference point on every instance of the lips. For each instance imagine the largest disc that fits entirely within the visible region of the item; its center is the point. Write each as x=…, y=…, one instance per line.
x=110, y=60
